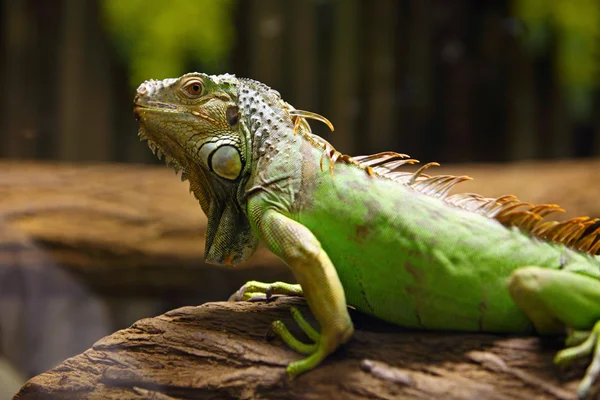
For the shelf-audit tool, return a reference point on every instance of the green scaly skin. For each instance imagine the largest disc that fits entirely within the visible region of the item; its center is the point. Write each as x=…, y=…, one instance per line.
x=352, y=238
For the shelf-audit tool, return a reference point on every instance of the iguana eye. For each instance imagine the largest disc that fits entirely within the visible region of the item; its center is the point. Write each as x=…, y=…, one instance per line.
x=194, y=88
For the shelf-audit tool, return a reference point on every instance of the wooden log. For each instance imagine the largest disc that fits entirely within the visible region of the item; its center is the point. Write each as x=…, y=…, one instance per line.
x=118, y=228
x=219, y=351
x=139, y=223
x=136, y=229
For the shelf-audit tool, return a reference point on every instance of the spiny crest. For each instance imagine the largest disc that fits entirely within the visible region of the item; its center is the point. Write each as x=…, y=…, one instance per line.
x=578, y=233
x=582, y=233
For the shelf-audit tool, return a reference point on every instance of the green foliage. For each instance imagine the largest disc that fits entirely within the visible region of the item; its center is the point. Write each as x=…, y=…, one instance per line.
x=574, y=26
x=161, y=39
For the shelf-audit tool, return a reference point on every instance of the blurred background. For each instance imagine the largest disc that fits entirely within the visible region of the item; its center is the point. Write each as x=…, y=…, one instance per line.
x=452, y=80
x=85, y=240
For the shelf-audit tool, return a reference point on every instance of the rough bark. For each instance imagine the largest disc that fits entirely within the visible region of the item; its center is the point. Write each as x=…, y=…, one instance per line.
x=219, y=351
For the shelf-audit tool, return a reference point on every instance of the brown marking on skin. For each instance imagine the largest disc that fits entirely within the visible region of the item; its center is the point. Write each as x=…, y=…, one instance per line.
x=415, y=294
x=373, y=208
x=361, y=233
x=413, y=290
x=436, y=214
x=482, y=307
x=364, y=295
x=415, y=272
x=358, y=186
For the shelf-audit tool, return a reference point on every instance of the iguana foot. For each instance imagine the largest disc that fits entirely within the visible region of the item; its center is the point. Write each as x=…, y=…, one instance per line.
x=324, y=343
x=554, y=299
x=253, y=290
x=316, y=351
x=590, y=345
x=282, y=331
x=576, y=337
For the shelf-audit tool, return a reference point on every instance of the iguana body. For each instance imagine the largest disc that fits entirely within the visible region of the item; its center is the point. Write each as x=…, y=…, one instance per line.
x=356, y=231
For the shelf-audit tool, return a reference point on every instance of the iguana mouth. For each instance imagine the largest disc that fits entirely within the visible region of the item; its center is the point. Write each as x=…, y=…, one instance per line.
x=137, y=106
x=161, y=145
x=155, y=107
x=136, y=110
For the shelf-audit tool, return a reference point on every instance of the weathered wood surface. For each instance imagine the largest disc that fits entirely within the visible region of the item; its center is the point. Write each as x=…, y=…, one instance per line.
x=140, y=224
x=118, y=228
x=136, y=229
x=219, y=351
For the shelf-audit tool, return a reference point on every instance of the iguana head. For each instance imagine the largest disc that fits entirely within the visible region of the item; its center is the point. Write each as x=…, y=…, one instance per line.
x=194, y=121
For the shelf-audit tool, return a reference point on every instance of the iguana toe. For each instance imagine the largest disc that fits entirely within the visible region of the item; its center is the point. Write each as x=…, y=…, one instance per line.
x=591, y=345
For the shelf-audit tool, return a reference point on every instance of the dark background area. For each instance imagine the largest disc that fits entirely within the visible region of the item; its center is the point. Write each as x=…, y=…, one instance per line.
x=451, y=81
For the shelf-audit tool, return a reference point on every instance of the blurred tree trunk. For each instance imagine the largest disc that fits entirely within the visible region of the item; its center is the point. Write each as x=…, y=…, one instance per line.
x=419, y=86
x=559, y=130
x=85, y=85
x=597, y=129
x=381, y=133
x=522, y=129
x=344, y=101
x=457, y=81
x=265, y=38
x=23, y=87
x=126, y=144
x=436, y=79
x=303, y=54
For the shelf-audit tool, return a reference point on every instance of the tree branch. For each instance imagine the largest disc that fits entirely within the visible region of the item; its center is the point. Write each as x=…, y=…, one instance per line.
x=218, y=350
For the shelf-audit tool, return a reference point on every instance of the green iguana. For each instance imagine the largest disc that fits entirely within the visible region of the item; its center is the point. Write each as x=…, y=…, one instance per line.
x=360, y=231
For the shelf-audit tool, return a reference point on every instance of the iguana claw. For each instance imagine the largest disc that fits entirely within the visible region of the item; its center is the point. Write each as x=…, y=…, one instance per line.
x=254, y=290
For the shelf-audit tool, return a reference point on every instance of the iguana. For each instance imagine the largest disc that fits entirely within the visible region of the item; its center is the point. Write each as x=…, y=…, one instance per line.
x=360, y=231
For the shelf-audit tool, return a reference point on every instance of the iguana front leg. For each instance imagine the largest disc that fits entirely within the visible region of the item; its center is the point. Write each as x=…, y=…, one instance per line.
x=319, y=284
x=553, y=299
